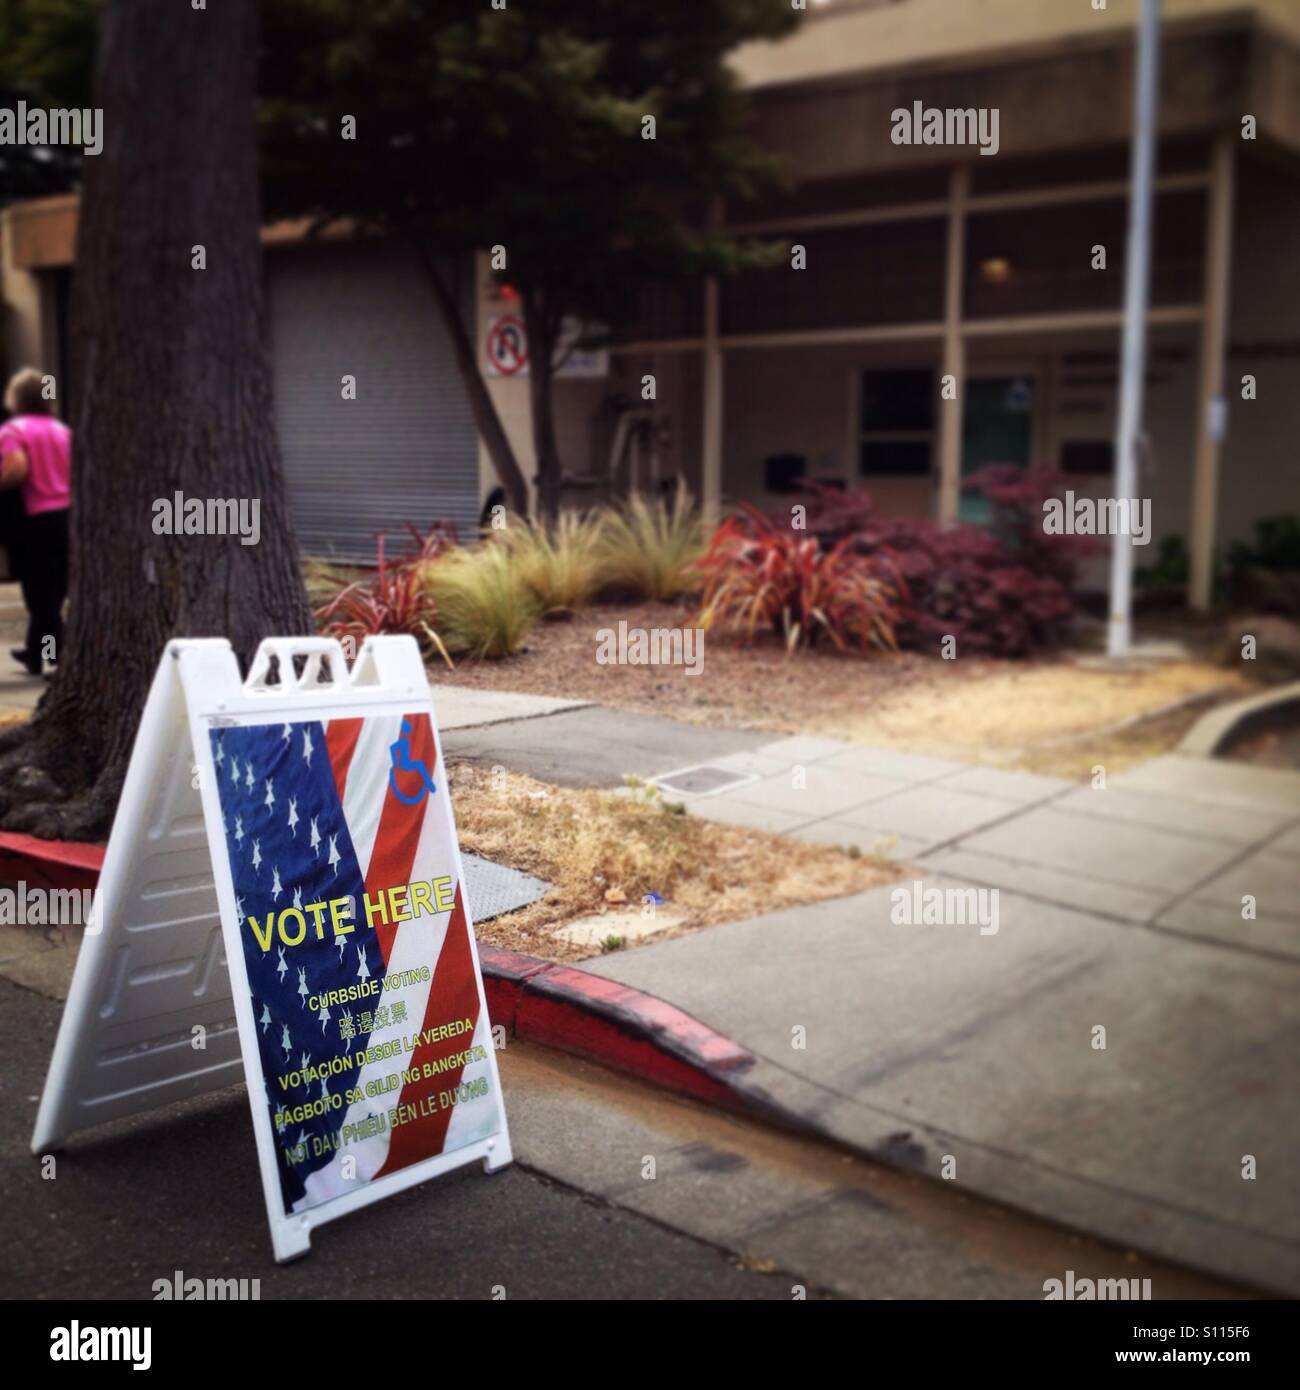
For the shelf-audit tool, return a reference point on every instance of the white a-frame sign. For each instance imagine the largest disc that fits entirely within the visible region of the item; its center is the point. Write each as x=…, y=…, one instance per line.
x=283, y=881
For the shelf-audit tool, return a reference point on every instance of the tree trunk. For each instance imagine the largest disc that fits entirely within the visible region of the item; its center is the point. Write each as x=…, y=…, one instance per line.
x=172, y=392
x=542, y=334
x=486, y=419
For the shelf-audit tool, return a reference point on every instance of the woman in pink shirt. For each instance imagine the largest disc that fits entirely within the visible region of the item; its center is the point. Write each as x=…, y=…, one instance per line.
x=36, y=456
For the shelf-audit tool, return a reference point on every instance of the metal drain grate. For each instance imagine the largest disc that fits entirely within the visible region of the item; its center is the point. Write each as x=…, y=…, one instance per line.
x=703, y=780
x=493, y=889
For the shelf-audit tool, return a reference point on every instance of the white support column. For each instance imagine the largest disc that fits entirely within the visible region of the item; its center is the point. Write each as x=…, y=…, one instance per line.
x=1137, y=299
x=711, y=442
x=1045, y=413
x=1210, y=404
x=951, y=413
x=711, y=447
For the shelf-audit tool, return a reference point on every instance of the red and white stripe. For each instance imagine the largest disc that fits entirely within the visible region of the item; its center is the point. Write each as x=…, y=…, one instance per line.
x=396, y=844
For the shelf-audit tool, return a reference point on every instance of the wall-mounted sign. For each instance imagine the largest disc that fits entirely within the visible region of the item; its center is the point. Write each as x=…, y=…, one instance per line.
x=506, y=349
x=507, y=346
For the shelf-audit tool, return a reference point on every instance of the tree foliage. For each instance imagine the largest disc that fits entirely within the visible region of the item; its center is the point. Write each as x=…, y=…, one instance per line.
x=47, y=52
x=525, y=128
x=471, y=127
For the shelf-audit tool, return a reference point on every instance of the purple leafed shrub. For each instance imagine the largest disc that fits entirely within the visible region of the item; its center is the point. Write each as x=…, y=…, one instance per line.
x=1001, y=590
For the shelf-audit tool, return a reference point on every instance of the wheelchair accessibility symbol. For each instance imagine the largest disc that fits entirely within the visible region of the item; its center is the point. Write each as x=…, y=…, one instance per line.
x=403, y=762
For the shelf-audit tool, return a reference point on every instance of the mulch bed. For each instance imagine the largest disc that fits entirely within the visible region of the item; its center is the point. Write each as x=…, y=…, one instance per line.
x=759, y=688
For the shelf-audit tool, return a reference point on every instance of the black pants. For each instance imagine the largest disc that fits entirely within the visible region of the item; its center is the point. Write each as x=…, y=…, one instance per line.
x=42, y=556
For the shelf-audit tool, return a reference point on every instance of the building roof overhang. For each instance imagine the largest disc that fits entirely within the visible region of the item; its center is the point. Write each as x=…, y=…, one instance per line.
x=1066, y=94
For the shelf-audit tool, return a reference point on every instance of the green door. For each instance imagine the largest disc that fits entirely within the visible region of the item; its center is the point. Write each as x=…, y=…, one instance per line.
x=998, y=429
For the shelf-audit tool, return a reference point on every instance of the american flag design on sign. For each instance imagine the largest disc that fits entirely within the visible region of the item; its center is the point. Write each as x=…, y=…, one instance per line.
x=375, y=1049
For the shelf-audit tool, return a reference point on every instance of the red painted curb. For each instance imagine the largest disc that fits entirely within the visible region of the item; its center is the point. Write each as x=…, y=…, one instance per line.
x=49, y=863
x=571, y=1009
x=556, y=1005
x=567, y=1026
x=505, y=975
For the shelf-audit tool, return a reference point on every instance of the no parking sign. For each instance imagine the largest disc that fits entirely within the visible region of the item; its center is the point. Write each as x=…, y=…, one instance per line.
x=507, y=346
x=506, y=349
x=282, y=890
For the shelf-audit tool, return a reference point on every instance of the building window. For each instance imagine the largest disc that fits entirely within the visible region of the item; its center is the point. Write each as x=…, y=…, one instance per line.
x=1087, y=457
x=897, y=436
x=784, y=472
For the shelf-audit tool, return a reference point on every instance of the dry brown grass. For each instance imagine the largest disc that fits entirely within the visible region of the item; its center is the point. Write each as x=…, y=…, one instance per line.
x=1118, y=749
x=1027, y=714
x=587, y=842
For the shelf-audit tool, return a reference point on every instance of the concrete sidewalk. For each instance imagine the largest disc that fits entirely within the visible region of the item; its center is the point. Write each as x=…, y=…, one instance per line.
x=1119, y=909
x=1173, y=844
x=19, y=692
x=462, y=707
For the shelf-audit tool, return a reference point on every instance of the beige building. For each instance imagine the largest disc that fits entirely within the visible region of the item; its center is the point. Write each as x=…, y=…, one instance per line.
x=919, y=261
x=926, y=260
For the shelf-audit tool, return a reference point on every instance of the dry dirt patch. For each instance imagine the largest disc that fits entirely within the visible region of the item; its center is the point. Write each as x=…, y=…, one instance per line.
x=758, y=687
x=1036, y=714
x=1050, y=714
x=597, y=846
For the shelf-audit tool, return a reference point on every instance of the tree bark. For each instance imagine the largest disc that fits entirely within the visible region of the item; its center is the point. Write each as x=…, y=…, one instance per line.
x=543, y=331
x=171, y=392
x=486, y=419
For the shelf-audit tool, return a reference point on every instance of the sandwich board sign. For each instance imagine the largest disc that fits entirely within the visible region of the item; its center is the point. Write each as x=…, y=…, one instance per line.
x=282, y=892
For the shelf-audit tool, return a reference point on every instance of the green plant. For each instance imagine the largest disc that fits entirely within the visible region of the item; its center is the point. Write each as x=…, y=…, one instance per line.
x=649, y=794
x=1171, y=566
x=645, y=792
x=516, y=130
x=760, y=577
x=1276, y=546
x=613, y=943
x=649, y=549
x=484, y=606
x=559, y=564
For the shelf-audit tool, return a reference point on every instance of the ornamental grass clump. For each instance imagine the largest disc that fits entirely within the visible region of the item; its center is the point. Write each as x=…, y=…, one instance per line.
x=485, y=606
x=560, y=565
x=648, y=549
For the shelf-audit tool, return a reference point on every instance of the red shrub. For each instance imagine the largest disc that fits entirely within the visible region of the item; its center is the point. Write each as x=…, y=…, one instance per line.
x=757, y=576
x=439, y=538
x=1017, y=496
x=962, y=583
x=394, y=599
x=1004, y=590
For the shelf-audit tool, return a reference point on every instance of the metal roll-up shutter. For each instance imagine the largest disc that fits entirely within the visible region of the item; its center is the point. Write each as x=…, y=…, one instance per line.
x=406, y=448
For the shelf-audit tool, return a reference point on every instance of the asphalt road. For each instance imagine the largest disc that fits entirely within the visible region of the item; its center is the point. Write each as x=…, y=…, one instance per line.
x=178, y=1190
x=732, y=1209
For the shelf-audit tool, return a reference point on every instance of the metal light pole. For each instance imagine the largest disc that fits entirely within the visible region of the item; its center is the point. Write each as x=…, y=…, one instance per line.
x=1137, y=275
